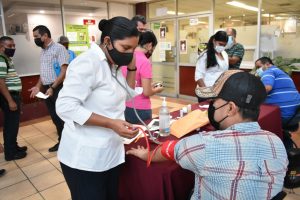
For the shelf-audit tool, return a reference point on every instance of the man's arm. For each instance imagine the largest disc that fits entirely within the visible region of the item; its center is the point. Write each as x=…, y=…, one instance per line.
x=34, y=90
x=233, y=60
x=4, y=91
x=268, y=88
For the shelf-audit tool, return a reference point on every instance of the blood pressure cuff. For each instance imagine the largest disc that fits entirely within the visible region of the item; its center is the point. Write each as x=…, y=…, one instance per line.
x=167, y=149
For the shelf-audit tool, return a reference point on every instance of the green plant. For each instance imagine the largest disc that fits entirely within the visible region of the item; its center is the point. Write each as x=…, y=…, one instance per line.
x=286, y=64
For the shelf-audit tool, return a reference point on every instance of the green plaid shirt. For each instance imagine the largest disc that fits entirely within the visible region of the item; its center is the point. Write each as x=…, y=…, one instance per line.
x=238, y=51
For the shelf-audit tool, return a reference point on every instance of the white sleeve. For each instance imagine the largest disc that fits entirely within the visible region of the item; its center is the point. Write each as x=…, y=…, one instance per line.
x=201, y=67
x=78, y=85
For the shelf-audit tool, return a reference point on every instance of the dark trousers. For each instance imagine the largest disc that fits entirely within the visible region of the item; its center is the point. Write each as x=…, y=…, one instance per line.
x=85, y=185
x=11, y=124
x=50, y=103
x=131, y=117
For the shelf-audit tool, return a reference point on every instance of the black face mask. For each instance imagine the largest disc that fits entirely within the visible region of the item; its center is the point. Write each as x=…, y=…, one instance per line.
x=211, y=114
x=120, y=59
x=39, y=42
x=9, y=52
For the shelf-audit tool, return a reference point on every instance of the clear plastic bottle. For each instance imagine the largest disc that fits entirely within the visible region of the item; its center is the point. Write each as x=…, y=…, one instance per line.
x=164, y=119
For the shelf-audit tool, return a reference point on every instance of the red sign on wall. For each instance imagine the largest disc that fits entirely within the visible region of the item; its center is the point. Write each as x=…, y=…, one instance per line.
x=89, y=22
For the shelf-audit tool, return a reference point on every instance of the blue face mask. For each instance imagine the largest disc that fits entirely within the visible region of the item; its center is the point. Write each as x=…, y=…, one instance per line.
x=229, y=42
x=259, y=72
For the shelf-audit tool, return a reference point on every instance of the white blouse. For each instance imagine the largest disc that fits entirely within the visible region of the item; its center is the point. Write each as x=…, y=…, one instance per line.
x=89, y=88
x=211, y=74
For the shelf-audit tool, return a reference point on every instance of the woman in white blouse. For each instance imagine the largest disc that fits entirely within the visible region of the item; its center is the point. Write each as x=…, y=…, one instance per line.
x=213, y=61
x=92, y=104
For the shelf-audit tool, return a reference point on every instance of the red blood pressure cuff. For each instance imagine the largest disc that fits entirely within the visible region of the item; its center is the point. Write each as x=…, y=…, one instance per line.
x=167, y=149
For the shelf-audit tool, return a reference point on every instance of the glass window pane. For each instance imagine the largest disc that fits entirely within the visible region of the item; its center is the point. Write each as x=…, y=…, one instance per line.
x=162, y=8
x=242, y=17
x=280, y=31
x=193, y=34
x=193, y=6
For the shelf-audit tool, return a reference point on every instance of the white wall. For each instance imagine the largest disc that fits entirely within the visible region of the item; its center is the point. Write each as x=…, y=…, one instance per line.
x=117, y=9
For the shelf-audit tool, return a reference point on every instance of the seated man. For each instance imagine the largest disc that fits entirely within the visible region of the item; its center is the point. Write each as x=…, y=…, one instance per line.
x=280, y=88
x=238, y=160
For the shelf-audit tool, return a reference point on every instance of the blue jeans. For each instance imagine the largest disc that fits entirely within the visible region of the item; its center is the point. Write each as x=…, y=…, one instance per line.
x=132, y=118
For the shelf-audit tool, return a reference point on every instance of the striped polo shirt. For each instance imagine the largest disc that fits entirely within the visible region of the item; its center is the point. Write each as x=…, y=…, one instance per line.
x=238, y=51
x=12, y=80
x=53, y=53
x=284, y=93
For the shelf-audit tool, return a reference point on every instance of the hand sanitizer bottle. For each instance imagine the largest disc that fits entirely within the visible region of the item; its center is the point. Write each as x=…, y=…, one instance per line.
x=164, y=119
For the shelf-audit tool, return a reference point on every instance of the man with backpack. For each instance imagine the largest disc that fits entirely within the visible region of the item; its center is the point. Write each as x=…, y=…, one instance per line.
x=10, y=100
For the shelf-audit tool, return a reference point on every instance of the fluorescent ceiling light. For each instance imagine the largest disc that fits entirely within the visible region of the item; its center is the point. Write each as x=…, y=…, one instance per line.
x=235, y=20
x=42, y=11
x=267, y=15
x=171, y=12
x=242, y=5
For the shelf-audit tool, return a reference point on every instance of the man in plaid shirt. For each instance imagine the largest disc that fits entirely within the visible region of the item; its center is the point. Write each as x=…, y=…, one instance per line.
x=238, y=160
x=53, y=55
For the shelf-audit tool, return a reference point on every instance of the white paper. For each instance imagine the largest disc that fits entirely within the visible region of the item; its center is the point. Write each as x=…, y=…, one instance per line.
x=140, y=134
x=41, y=95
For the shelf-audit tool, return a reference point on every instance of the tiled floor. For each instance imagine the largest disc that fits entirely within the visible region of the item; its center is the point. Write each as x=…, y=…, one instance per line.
x=38, y=176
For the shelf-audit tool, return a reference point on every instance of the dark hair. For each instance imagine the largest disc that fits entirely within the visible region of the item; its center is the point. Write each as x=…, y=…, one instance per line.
x=233, y=32
x=265, y=60
x=147, y=37
x=211, y=53
x=42, y=30
x=117, y=28
x=5, y=38
x=251, y=114
x=139, y=18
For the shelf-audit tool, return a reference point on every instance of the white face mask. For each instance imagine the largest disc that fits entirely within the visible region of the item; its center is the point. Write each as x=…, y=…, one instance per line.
x=229, y=43
x=259, y=72
x=219, y=49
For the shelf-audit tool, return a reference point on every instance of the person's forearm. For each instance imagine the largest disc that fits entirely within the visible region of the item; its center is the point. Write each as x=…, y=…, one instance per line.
x=201, y=83
x=4, y=91
x=61, y=76
x=130, y=78
x=39, y=83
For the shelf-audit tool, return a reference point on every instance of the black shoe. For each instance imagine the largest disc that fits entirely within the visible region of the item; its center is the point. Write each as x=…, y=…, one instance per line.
x=24, y=148
x=2, y=172
x=54, y=148
x=17, y=156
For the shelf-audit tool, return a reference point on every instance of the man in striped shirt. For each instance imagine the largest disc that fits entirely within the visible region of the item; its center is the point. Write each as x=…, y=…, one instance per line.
x=280, y=88
x=238, y=160
x=10, y=88
x=52, y=55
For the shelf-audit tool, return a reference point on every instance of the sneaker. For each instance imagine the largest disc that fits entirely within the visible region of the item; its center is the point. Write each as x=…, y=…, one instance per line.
x=54, y=148
x=24, y=148
x=18, y=155
x=2, y=172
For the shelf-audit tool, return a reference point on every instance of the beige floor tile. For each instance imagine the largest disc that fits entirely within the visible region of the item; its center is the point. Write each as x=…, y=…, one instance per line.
x=17, y=191
x=55, y=162
x=28, y=131
x=11, y=177
x=47, y=180
x=36, y=196
x=8, y=166
x=30, y=159
x=38, y=168
x=45, y=126
x=38, y=138
x=60, y=191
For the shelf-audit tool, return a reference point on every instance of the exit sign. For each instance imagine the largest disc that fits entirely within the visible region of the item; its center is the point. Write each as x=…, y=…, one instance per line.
x=89, y=22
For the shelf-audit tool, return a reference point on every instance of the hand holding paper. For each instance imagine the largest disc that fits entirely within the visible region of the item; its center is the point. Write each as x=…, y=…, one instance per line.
x=41, y=95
